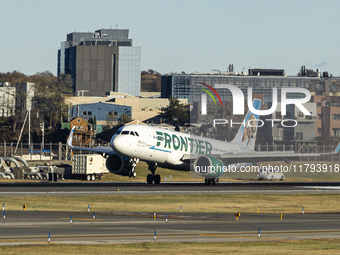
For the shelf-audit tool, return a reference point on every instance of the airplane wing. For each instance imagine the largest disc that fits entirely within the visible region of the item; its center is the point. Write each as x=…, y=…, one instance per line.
x=104, y=150
x=254, y=157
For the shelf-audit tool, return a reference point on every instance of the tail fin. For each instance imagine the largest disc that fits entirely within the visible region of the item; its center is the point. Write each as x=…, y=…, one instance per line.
x=246, y=135
x=70, y=137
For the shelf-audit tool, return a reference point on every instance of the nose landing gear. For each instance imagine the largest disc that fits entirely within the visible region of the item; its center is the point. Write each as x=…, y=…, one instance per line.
x=134, y=162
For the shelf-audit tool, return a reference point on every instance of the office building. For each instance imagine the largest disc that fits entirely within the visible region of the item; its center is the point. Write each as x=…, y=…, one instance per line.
x=101, y=62
x=7, y=100
x=187, y=85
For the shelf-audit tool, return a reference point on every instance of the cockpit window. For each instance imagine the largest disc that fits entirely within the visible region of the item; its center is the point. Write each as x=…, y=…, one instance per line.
x=132, y=133
x=118, y=132
x=125, y=132
x=136, y=133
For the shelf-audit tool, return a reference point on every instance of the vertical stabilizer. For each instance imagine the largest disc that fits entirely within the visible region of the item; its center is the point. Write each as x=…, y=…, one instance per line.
x=246, y=134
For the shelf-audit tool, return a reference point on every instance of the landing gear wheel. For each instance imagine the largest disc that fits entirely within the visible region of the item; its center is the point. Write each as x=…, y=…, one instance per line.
x=157, y=179
x=214, y=181
x=132, y=174
x=149, y=178
x=152, y=177
x=207, y=181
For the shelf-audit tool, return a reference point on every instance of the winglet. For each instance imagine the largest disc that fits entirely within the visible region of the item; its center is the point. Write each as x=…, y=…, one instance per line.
x=70, y=137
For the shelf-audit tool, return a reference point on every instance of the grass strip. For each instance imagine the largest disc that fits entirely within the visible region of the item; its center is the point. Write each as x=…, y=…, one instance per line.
x=248, y=203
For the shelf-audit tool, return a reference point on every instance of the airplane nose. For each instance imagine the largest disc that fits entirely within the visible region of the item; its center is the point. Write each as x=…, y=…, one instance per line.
x=114, y=142
x=118, y=144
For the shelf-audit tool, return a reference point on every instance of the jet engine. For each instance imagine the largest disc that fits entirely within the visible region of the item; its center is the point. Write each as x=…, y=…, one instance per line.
x=208, y=166
x=117, y=164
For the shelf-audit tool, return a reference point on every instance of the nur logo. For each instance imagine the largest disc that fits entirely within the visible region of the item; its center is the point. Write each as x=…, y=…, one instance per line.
x=238, y=99
x=204, y=97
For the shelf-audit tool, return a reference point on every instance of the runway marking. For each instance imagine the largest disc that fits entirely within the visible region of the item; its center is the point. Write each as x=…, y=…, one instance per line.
x=17, y=241
x=335, y=188
x=80, y=219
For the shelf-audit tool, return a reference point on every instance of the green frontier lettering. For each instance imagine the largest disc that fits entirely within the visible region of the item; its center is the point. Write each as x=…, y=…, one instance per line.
x=159, y=138
x=183, y=143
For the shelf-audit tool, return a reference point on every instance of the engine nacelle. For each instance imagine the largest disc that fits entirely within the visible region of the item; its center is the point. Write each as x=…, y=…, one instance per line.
x=117, y=164
x=208, y=166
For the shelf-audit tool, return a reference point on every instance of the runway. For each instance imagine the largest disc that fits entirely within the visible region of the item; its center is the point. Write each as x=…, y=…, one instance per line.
x=33, y=227
x=111, y=188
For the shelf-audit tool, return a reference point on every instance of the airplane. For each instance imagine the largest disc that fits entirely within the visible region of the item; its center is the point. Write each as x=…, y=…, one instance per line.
x=182, y=151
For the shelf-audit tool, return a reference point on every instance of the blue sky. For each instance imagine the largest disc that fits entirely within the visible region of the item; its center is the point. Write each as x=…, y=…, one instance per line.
x=179, y=35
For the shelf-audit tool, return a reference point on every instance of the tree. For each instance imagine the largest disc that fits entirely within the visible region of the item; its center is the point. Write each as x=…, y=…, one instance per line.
x=48, y=101
x=49, y=97
x=175, y=111
x=150, y=81
x=124, y=118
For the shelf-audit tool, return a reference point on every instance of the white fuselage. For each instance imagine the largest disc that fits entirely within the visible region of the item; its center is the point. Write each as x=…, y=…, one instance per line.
x=152, y=144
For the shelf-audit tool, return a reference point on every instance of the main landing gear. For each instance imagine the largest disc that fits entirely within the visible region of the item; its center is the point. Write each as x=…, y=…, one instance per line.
x=134, y=162
x=213, y=181
x=150, y=178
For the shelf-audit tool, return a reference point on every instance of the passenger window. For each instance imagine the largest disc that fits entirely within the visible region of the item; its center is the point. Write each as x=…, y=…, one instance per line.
x=125, y=132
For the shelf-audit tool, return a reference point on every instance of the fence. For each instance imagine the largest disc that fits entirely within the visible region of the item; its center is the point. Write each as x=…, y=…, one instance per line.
x=58, y=151
x=62, y=152
x=305, y=148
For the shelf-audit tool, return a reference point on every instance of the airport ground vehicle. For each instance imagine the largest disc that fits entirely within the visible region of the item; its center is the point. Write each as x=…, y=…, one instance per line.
x=88, y=167
x=270, y=175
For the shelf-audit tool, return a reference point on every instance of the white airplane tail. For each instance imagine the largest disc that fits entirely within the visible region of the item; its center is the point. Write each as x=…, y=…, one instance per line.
x=246, y=134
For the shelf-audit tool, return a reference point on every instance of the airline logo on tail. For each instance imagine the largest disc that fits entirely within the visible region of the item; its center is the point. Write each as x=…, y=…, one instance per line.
x=246, y=135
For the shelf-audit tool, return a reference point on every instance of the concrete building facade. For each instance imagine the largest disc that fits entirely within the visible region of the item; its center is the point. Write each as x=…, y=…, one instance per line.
x=100, y=62
x=187, y=85
x=305, y=130
x=326, y=95
x=101, y=111
x=7, y=100
x=146, y=109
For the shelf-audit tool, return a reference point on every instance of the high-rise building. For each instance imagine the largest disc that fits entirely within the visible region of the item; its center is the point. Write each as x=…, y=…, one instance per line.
x=100, y=62
x=7, y=100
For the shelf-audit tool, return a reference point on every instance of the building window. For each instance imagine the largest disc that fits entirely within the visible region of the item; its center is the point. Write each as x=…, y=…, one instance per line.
x=84, y=113
x=336, y=131
x=336, y=116
x=299, y=136
x=300, y=114
x=320, y=131
x=89, y=113
x=320, y=116
x=318, y=104
x=278, y=115
x=112, y=114
x=335, y=104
